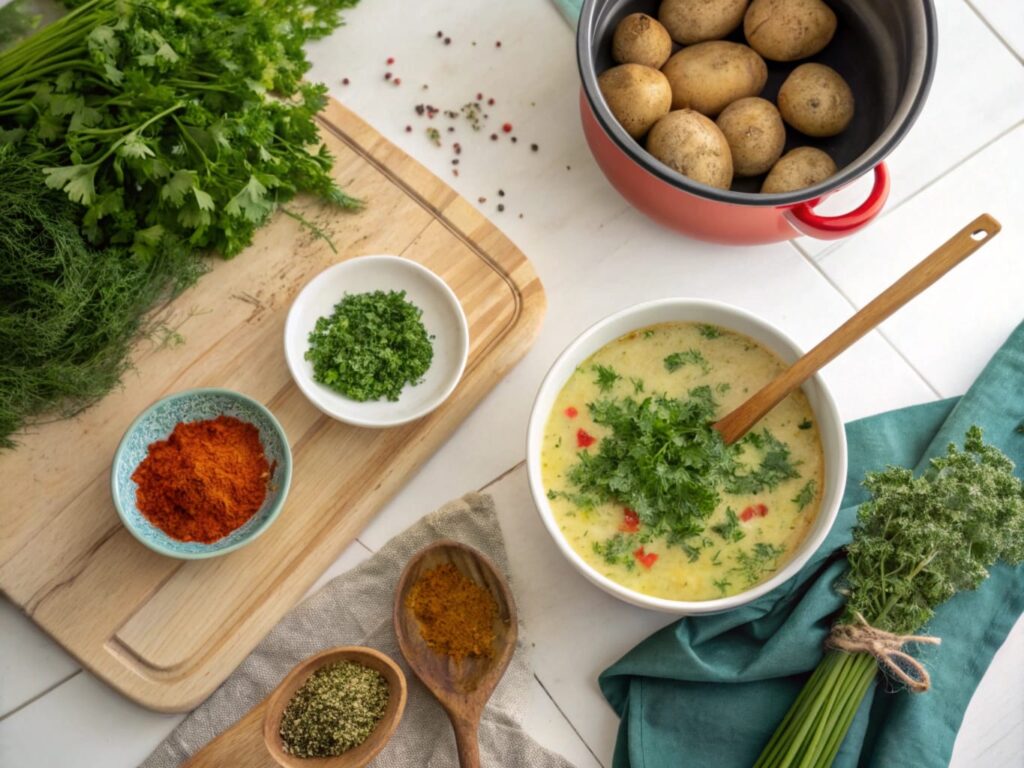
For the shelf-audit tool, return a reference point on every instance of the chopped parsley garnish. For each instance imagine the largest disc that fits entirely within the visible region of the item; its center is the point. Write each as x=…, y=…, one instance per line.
x=805, y=424
x=753, y=564
x=709, y=331
x=371, y=347
x=730, y=530
x=722, y=585
x=606, y=377
x=662, y=459
x=723, y=387
x=677, y=360
x=775, y=465
x=805, y=495
x=638, y=385
x=618, y=550
x=648, y=333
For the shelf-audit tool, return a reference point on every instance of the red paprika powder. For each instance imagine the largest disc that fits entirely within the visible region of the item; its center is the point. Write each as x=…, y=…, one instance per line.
x=205, y=480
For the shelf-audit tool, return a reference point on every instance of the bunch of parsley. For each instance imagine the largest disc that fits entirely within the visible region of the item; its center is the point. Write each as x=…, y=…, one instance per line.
x=175, y=124
x=918, y=542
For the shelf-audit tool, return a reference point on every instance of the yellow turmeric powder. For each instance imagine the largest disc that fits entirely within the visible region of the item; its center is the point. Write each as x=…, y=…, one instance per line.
x=455, y=614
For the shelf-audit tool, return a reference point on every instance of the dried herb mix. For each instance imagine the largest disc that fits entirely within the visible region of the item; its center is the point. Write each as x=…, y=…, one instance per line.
x=336, y=709
x=371, y=347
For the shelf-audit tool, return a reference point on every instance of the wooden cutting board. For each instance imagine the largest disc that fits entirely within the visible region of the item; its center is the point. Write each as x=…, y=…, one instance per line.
x=166, y=632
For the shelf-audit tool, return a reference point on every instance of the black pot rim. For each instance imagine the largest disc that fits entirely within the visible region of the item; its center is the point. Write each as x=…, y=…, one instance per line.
x=866, y=162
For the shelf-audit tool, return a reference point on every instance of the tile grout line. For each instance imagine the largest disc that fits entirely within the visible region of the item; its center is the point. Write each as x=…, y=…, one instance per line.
x=821, y=272
x=567, y=720
x=991, y=28
x=39, y=695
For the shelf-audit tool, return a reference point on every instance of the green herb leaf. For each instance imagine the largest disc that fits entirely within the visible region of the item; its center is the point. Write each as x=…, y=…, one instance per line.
x=805, y=495
x=756, y=563
x=709, y=331
x=606, y=377
x=677, y=360
x=730, y=530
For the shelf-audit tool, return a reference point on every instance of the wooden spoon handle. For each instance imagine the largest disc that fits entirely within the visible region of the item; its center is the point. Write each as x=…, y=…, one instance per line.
x=944, y=258
x=466, y=742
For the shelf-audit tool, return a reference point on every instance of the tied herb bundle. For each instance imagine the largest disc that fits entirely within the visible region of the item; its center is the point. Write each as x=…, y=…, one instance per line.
x=917, y=542
x=173, y=124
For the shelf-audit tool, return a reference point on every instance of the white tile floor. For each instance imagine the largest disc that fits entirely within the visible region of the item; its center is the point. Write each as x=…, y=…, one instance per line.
x=595, y=255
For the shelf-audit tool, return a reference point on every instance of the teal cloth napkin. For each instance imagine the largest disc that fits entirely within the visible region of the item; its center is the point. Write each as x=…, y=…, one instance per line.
x=570, y=9
x=709, y=691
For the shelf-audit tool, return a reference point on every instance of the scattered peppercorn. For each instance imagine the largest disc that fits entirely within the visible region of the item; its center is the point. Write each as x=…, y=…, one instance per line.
x=534, y=147
x=501, y=207
x=481, y=200
x=447, y=41
x=490, y=102
x=390, y=60
x=514, y=139
x=497, y=44
x=408, y=129
x=501, y=193
x=494, y=137
x=344, y=81
x=398, y=81
x=440, y=33
x=507, y=127
x=387, y=75
x=479, y=96
x=455, y=161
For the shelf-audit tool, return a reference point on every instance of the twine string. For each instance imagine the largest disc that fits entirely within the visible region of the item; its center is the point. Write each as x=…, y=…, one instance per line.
x=887, y=648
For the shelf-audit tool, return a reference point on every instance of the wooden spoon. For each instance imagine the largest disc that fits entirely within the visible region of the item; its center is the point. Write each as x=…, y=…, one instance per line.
x=359, y=756
x=944, y=258
x=462, y=687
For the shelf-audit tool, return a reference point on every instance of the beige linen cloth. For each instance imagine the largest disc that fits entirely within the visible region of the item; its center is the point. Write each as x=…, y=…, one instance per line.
x=355, y=609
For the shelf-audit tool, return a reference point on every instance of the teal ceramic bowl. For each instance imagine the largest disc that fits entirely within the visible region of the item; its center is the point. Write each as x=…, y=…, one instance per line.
x=156, y=423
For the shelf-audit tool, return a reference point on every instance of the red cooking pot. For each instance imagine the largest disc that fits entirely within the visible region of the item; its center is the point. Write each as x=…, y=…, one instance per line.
x=885, y=49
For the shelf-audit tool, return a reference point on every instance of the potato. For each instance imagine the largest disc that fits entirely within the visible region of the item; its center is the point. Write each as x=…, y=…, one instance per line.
x=639, y=39
x=694, y=21
x=637, y=95
x=816, y=100
x=691, y=144
x=756, y=135
x=710, y=76
x=787, y=30
x=799, y=168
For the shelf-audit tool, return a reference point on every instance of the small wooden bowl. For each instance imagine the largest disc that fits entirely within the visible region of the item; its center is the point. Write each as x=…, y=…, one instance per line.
x=357, y=756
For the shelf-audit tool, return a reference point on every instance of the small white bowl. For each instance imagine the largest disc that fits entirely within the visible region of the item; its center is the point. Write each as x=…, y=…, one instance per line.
x=830, y=426
x=442, y=316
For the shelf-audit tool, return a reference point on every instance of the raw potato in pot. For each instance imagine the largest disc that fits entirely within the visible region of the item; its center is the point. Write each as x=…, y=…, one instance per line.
x=688, y=142
x=638, y=96
x=756, y=135
x=639, y=39
x=787, y=30
x=709, y=76
x=797, y=169
x=694, y=21
x=816, y=100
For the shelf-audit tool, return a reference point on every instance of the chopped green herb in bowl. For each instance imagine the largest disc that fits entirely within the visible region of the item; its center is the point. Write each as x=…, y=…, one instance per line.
x=371, y=347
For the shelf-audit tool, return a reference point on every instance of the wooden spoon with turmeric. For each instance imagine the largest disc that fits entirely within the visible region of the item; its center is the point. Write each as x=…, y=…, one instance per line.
x=456, y=623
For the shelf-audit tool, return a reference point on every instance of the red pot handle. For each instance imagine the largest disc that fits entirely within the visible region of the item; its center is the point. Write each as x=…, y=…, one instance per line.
x=803, y=217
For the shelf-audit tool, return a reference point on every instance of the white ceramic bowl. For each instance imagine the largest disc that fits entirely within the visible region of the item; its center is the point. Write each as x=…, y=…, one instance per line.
x=830, y=425
x=442, y=316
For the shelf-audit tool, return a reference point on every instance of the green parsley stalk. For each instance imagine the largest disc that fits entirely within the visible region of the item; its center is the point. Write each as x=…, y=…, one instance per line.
x=917, y=542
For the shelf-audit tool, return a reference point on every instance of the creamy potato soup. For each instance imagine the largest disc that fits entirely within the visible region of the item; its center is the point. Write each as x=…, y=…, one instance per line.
x=649, y=495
